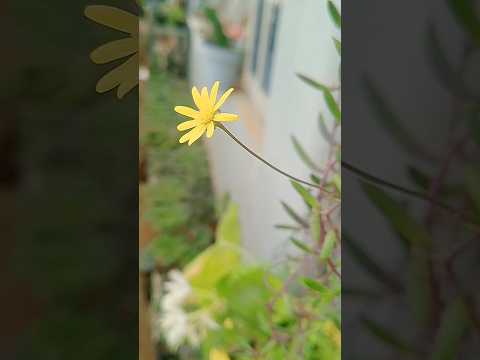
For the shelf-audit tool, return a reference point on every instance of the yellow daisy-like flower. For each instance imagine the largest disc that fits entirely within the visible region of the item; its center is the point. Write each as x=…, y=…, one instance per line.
x=203, y=119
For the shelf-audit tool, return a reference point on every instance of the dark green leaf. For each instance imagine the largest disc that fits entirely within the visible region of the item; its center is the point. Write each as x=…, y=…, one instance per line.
x=301, y=245
x=444, y=71
x=334, y=14
x=315, y=179
x=419, y=289
x=305, y=194
x=398, y=217
x=294, y=215
x=465, y=12
x=363, y=259
x=390, y=122
x=287, y=227
x=453, y=326
x=303, y=154
x=387, y=337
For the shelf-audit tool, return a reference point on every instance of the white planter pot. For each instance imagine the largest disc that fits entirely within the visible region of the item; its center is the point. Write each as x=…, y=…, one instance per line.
x=209, y=63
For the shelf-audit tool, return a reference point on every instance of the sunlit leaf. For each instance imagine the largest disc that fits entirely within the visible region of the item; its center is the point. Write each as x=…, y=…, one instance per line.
x=411, y=230
x=453, y=325
x=328, y=245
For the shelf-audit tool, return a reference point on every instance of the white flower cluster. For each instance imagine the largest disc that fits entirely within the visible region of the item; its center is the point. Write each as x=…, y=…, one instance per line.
x=172, y=321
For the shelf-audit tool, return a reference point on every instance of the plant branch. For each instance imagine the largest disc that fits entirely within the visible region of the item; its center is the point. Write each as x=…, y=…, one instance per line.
x=221, y=126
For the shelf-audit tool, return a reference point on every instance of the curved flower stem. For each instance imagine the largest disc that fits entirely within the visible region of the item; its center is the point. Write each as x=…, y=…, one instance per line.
x=221, y=126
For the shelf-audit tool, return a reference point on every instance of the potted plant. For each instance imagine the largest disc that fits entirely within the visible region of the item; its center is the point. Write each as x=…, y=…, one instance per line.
x=215, y=49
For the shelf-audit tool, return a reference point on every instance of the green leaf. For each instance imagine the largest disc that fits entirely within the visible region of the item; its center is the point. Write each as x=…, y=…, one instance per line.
x=326, y=134
x=218, y=37
x=338, y=46
x=305, y=194
x=303, y=154
x=328, y=245
x=419, y=289
x=444, y=71
x=390, y=122
x=315, y=179
x=420, y=179
x=294, y=215
x=363, y=259
x=387, y=337
x=465, y=13
x=412, y=231
x=334, y=14
x=316, y=286
x=315, y=223
x=301, y=245
x=327, y=95
x=287, y=227
x=228, y=229
x=453, y=326
x=337, y=181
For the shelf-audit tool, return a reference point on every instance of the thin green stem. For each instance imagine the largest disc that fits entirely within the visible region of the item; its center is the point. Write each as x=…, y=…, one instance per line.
x=221, y=126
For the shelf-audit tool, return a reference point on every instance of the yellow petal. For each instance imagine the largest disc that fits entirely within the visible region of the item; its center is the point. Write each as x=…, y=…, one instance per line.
x=214, y=92
x=196, y=97
x=187, y=136
x=188, y=125
x=196, y=133
x=210, y=129
x=205, y=99
x=223, y=99
x=187, y=111
x=225, y=117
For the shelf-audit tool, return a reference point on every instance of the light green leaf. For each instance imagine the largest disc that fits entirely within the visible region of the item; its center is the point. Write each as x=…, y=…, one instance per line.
x=328, y=245
x=453, y=326
x=338, y=46
x=334, y=14
x=413, y=232
x=337, y=181
x=305, y=194
x=228, y=229
x=303, y=154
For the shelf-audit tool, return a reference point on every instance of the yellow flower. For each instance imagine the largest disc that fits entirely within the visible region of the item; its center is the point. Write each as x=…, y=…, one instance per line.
x=124, y=76
x=216, y=354
x=207, y=114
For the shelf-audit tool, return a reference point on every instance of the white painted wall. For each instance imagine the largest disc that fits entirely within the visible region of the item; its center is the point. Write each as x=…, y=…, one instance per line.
x=304, y=45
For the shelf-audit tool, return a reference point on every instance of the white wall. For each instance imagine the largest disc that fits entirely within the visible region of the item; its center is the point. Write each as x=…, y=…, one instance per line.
x=304, y=45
